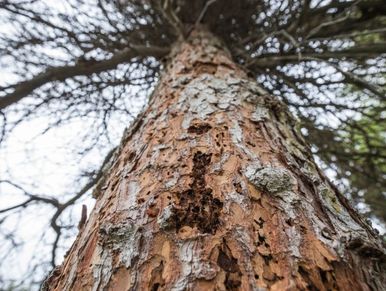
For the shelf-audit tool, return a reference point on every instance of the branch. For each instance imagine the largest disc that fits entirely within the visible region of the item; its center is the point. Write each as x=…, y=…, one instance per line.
x=82, y=67
x=91, y=183
x=32, y=197
x=351, y=78
x=168, y=12
x=22, y=205
x=203, y=12
x=272, y=60
x=328, y=23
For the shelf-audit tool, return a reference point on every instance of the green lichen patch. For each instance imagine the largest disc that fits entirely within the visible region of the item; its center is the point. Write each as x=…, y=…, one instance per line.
x=329, y=196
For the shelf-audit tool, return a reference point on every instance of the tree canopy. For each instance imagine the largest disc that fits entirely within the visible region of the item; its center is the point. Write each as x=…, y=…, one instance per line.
x=88, y=65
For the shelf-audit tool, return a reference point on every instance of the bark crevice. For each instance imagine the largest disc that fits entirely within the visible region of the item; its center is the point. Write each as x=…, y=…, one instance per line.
x=196, y=207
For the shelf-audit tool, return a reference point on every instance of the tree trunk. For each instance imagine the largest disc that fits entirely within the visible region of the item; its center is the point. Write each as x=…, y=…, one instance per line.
x=214, y=188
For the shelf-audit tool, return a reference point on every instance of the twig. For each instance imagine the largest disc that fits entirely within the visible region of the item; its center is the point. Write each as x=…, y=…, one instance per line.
x=203, y=12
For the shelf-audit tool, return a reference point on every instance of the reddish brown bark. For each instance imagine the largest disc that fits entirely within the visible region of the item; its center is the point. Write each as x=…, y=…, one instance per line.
x=213, y=188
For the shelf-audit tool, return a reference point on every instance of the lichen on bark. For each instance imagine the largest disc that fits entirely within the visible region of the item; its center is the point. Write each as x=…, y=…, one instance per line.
x=271, y=180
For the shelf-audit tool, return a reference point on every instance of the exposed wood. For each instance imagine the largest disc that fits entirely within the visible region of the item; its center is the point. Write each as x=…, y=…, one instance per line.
x=215, y=189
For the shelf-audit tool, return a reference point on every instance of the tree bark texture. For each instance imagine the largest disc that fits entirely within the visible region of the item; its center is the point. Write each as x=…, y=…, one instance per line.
x=214, y=188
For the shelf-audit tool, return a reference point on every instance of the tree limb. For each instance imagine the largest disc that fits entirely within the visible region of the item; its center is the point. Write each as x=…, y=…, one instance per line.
x=82, y=67
x=272, y=60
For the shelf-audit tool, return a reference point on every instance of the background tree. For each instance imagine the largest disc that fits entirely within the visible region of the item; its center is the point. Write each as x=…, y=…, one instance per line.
x=92, y=62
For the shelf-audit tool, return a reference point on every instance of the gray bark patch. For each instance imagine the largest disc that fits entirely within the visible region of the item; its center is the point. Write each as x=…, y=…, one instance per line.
x=270, y=180
x=166, y=219
x=122, y=238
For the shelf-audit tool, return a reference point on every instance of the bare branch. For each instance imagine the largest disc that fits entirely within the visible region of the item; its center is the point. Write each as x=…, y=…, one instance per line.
x=82, y=67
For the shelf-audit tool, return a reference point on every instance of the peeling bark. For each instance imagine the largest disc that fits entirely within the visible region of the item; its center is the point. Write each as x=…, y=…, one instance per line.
x=213, y=188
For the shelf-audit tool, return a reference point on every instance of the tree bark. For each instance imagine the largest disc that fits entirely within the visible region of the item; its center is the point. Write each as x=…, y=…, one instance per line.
x=214, y=188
